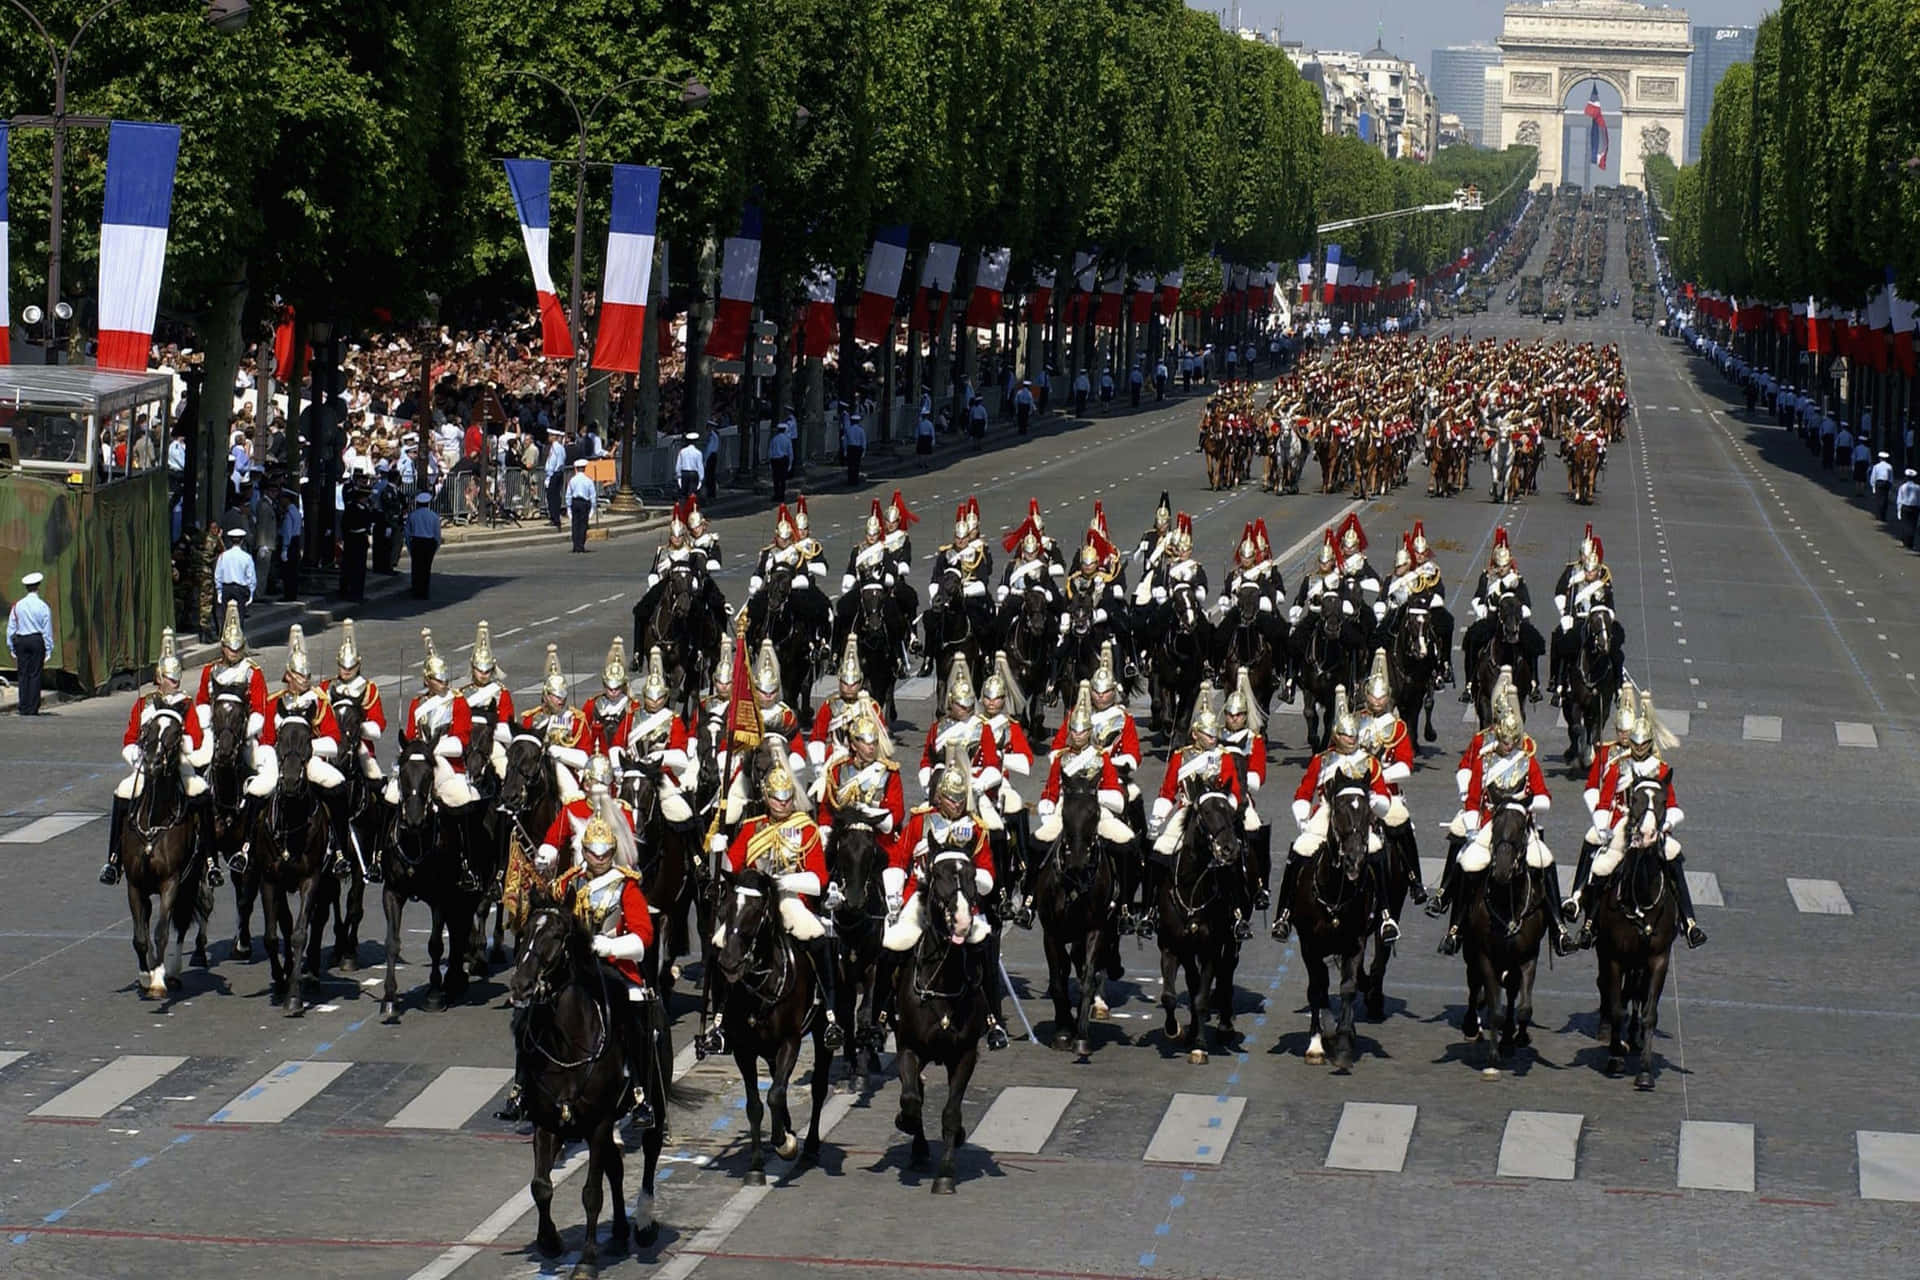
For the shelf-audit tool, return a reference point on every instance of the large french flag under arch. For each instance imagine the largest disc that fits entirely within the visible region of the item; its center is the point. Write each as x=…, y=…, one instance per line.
x=739, y=275
x=630, y=237
x=531, y=181
x=886, y=263
x=133, y=239
x=1596, y=128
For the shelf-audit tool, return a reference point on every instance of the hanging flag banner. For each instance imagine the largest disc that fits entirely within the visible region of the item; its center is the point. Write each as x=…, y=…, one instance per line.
x=1170, y=290
x=133, y=239
x=817, y=328
x=531, y=181
x=1142, y=309
x=739, y=274
x=1113, y=289
x=1596, y=129
x=989, y=283
x=1040, y=297
x=6, y=314
x=1330, y=278
x=1083, y=276
x=630, y=237
x=886, y=263
x=937, y=271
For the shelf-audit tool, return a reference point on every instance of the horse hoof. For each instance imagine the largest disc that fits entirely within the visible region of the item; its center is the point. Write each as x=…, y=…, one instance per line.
x=1377, y=1007
x=1100, y=1011
x=1198, y=1057
x=756, y=1178
x=346, y=962
x=1316, y=1058
x=1063, y=1042
x=1082, y=1050
x=243, y=951
x=1343, y=1059
x=787, y=1147
x=1470, y=1025
x=1522, y=1038
x=646, y=1237
x=943, y=1186
x=390, y=1010
x=200, y=960
x=1489, y=1073
x=1644, y=1082
x=584, y=1270
x=436, y=999
x=549, y=1244
x=294, y=1009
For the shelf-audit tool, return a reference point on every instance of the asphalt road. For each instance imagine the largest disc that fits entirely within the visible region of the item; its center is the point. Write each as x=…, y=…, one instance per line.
x=1774, y=620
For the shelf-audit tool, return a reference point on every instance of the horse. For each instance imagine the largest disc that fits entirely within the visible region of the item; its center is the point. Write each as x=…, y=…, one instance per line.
x=1413, y=660
x=1505, y=646
x=879, y=629
x=1334, y=901
x=1327, y=649
x=420, y=860
x=1247, y=640
x=1593, y=684
x=575, y=1083
x=1031, y=641
x=528, y=803
x=1500, y=461
x=226, y=782
x=1635, y=921
x=799, y=624
x=1073, y=891
x=941, y=1002
x=768, y=1010
x=288, y=858
x=686, y=634
x=951, y=625
x=668, y=853
x=855, y=859
x=1286, y=459
x=163, y=851
x=367, y=817
x=1197, y=902
x=1178, y=661
x=1583, y=471
x=1505, y=920
x=1077, y=654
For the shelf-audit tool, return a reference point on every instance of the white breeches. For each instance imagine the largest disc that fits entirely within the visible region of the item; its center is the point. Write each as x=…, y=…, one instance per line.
x=321, y=773
x=903, y=934
x=1608, y=860
x=1111, y=829
x=567, y=781
x=497, y=759
x=799, y=921
x=1397, y=815
x=369, y=767
x=1168, y=841
x=1314, y=834
x=134, y=783
x=1251, y=820
x=266, y=770
x=1458, y=828
x=450, y=788
x=1010, y=801
x=1478, y=855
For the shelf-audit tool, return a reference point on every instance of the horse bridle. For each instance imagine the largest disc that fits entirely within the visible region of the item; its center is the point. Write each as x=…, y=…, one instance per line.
x=1212, y=864
x=943, y=945
x=543, y=992
x=778, y=970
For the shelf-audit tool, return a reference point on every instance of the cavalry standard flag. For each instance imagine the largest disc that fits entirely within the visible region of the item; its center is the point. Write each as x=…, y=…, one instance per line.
x=530, y=181
x=623, y=298
x=937, y=272
x=133, y=239
x=1331, y=279
x=989, y=282
x=1596, y=129
x=6, y=315
x=886, y=263
x=1142, y=309
x=1170, y=290
x=817, y=327
x=1040, y=297
x=739, y=274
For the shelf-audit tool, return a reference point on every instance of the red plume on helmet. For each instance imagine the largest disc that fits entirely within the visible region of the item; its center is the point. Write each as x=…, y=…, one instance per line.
x=1101, y=547
x=907, y=517
x=1599, y=552
x=1013, y=538
x=1260, y=533
x=1352, y=525
x=1099, y=517
x=1185, y=523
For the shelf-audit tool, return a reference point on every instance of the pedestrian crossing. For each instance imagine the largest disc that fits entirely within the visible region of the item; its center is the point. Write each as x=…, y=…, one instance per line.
x=52, y=826
x=1192, y=1130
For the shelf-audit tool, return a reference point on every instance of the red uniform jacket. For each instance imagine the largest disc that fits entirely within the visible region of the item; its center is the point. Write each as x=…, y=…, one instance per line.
x=591, y=909
x=1110, y=787
x=1614, y=796
x=460, y=729
x=256, y=690
x=982, y=754
x=1010, y=740
x=1536, y=781
x=372, y=710
x=1256, y=755
x=910, y=850
x=750, y=846
x=1399, y=751
x=1323, y=768
x=573, y=819
x=1123, y=748
x=1602, y=764
x=1225, y=779
x=841, y=769
x=502, y=708
x=144, y=708
x=318, y=714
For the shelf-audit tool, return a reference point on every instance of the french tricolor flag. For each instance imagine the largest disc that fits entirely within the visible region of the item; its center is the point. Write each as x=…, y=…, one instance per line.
x=133, y=239
x=1170, y=290
x=1112, y=287
x=886, y=263
x=530, y=181
x=937, y=272
x=989, y=282
x=6, y=313
x=817, y=329
x=1142, y=310
x=1040, y=297
x=1330, y=280
x=623, y=298
x=739, y=273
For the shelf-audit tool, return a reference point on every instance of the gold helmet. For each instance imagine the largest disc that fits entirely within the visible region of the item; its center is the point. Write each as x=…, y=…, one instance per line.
x=1502, y=688
x=1001, y=684
x=851, y=677
x=614, y=674
x=432, y=665
x=956, y=780
x=1402, y=557
x=766, y=671
x=1243, y=702
x=1502, y=559
x=1327, y=558
x=349, y=657
x=1104, y=680
x=1508, y=727
x=1649, y=735
x=653, y=690
x=596, y=840
x=1163, y=514
x=482, y=660
x=1346, y=726
x=779, y=786
x=1089, y=555
x=599, y=772
x=1589, y=550
x=1030, y=544
x=1034, y=517
x=1626, y=711
x=554, y=683
x=973, y=517
x=960, y=527
x=960, y=682
x=876, y=524
x=232, y=638
x=801, y=520
x=168, y=667
x=1206, y=722
x=1080, y=719
x=1379, y=690
x=864, y=729
x=723, y=669
x=297, y=663
x=1422, y=549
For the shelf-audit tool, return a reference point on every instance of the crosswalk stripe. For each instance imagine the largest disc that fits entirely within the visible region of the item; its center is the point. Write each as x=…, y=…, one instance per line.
x=1705, y=888
x=1889, y=1165
x=1849, y=733
x=1540, y=1144
x=1195, y=1129
x=280, y=1093
x=1372, y=1136
x=1021, y=1119
x=1760, y=728
x=110, y=1086
x=452, y=1098
x=914, y=689
x=1716, y=1156
x=1819, y=897
x=44, y=829
x=10, y=1056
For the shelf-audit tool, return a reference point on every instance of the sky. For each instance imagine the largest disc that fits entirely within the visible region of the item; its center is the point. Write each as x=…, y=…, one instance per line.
x=1415, y=28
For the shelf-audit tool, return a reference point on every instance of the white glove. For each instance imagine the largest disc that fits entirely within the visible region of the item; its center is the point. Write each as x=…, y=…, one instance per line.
x=1566, y=622
x=131, y=753
x=545, y=858
x=718, y=844
x=894, y=903
x=602, y=945
x=834, y=898
x=1099, y=614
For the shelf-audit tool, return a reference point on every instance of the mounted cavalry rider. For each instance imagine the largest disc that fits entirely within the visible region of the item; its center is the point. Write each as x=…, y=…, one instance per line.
x=564, y=732
x=1001, y=702
x=234, y=675
x=1321, y=582
x=1357, y=574
x=564, y=831
x=792, y=553
x=301, y=701
x=897, y=518
x=781, y=731
x=1029, y=565
x=1385, y=737
x=1585, y=584
x=441, y=719
x=868, y=564
x=947, y=826
x=350, y=688
x=692, y=548
x=967, y=554
x=860, y=781
x=706, y=542
x=962, y=728
x=604, y=890
x=1243, y=737
x=1114, y=730
x=1176, y=570
x=1078, y=754
x=1253, y=564
x=609, y=710
x=654, y=739
x=1641, y=766
x=785, y=844
x=833, y=719
x=1345, y=758
x=196, y=749
x=1198, y=770
x=1500, y=579
x=1506, y=762
x=1417, y=588
x=489, y=701
x=1147, y=550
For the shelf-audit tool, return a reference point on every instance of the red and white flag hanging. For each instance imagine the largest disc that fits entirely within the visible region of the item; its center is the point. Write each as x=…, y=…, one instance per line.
x=1170, y=290
x=937, y=271
x=1083, y=279
x=817, y=328
x=1040, y=297
x=1142, y=309
x=1112, y=289
x=623, y=298
x=531, y=181
x=739, y=274
x=133, y=239
x=989, y=282
x=886, y=263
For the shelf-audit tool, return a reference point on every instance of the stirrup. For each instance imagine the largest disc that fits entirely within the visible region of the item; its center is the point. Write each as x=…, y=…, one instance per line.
x=1282, y=926
x=642, y=1117
x=996, y=1035
x=1436, y=905
x=1242, y=927
x=1389, y=931
x=215, y=877
x=1696, y=936
x=834, y=1037
x=110, y=871
x=1450, y=945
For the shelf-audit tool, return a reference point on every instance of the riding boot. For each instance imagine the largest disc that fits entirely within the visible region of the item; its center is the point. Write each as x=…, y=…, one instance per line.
x=996, y=993
x=1553, y=673
x=237, y=861
x=1575, y=906
x=1563, y=944
x=340, y=864
x=513, y=1109
x=1289, y=877
x=1260, y=868
x=1389, y=927
x=820, y=952
x=1449, y=878
x=202, y=811
x=1408, y=852
x=468, y=882
x=116, y=827
x=1457, y=913
x=1677, y=877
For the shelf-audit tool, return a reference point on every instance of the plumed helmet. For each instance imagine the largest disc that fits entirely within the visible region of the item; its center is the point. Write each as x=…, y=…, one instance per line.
x=232, y=638
x=1502, y=558
x=1034, y=517
x=297, y=663
x=779, y=785
x=1327, y=557
x=1508, y=727
x=1403, y=556
x=1585, y=554
x=654, y=688
x=1379, y=690
x=676, y=523
x=1346, y=726
x=1422, y=549
x=553, y=682
x=482, y=659
x=348, y=659
x=1163, y=514
x=696, y=518
x=956, y=780
x=850, y=674
x=1353, y=539
x=614, y=673
x=1626, y=710
x=876, y=523
x=801, y=520
x=766, y=670
x=865, y=729
x=1206, y=721
x=1001, y=685
x=596, y=839
x=1243, y=702
x=1089, y=555
x=168, y=666
x=1030, y=543
x=599, y=771
x=960, y=523
x=723, y=669
x=1247, y=553
x=1080, y=719
x=1104, y=680
x=973, y=515
x=782, y=526
x=432, y=665
x=1649, y=734
x=960, y=682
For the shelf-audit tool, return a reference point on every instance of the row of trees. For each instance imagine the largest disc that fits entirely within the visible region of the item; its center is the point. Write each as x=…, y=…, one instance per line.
x=343, y=155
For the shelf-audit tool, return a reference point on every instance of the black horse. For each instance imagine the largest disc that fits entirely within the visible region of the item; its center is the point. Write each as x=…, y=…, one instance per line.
x=1197, y=906
x=881, y=634
x=668, y=853
x=1635, y=922
x=1177, y=660
x=367, y=818
x=227, y=781
x=768, y=1011
x=1505, y=645
x=940, y=996
x=164, y=847
x=1245, y=639
x=574, y=1080
x=1328, y=645
x=687, y=633
x=1593, y=682
x=1334, y=902
x=1414, y=658
x=1507, y=915
x=420, y=859
x=1073, y=894
x=953, y=624
x=286, y=861
x=855, y=859
x=800, y=624
x=1032, y=638
x=1077, y=655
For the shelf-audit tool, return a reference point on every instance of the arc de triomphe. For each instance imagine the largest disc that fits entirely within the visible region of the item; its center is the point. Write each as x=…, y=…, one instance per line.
x=1549, y=48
